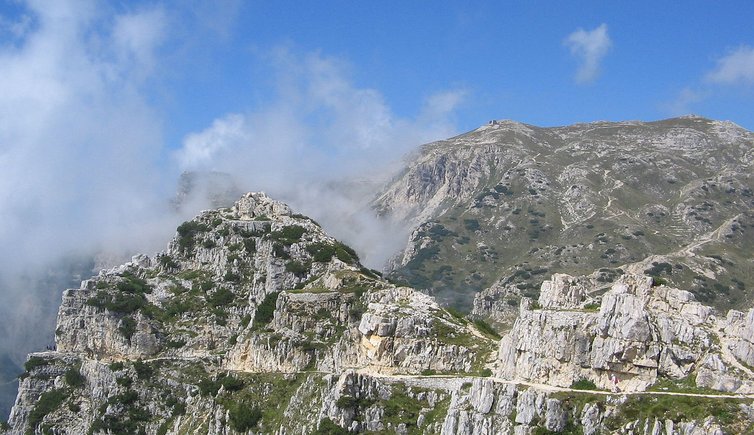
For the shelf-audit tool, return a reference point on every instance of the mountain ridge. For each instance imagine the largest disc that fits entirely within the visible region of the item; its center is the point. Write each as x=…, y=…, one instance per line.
x=509, y=190
x=308, y=341
x=254, y=320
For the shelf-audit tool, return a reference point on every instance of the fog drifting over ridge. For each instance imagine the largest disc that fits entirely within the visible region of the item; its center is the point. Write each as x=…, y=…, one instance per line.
x=324, y=146
x=86, y=171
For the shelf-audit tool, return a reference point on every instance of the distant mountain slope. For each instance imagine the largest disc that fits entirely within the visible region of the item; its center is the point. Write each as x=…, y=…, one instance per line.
x=507, y=204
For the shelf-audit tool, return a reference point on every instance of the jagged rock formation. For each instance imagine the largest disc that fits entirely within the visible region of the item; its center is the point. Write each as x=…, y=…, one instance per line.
x=254, y=288
x=497, y=210
x=255, y=320
x=641, y=333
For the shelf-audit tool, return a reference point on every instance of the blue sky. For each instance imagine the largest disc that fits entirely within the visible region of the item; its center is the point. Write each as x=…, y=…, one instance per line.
x=103, y=104
x=508, y=57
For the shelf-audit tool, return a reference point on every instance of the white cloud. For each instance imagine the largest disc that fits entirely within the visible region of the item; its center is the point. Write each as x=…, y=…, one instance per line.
x=319, y=119
x=684, y=101
x=200, y=149
x=737, y=67
x=79, y=151
x=590, y=47
x=81, y=160
x=320, y=128
x=137, y=37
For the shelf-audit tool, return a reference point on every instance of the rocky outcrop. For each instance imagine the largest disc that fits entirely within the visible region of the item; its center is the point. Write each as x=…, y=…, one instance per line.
x=740, y=329
x=86, y=329
x=254, y=320
x=401, y=328
x=392, y=330
x=641, y=333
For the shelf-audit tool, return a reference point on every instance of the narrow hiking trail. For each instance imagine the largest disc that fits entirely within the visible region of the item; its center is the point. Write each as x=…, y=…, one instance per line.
x=546, y=387
x=454, y=382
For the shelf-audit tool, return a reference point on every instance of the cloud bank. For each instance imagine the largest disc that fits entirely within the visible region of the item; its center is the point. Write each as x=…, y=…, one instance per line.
x=684, y=101
x=80, y=144
x=319, y=130
x=589, y=47
x=84, y=173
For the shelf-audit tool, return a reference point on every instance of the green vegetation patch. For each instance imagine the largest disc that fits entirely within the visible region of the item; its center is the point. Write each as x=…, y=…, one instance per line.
x=261, y=401
x=594, y=306
x=220, y=297
x=48, y=402
x=278, y=249
x=322, y=252
x=166, y=262
x=265, y=310
x=210, y=387
x=133, y=284
x=584, y=384
x=121, y=303
x=187, y=232
x=677, y=408
x=455, y=334
x=244, y=416
x=288, y=235
x=74, y=378
x=130, y=418
x=402, y=408
x=143, y=370
x=328, y=427
x=486, y=329
x=127, y=327
x=296, y=267
x=250, y=245
x=683, y=385
x=34, y=362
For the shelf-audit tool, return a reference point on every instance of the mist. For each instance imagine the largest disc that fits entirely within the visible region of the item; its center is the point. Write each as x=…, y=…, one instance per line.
x=87, y=176
x=323, y=145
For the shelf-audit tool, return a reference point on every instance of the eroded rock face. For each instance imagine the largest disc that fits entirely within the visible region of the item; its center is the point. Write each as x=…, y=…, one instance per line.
x=254, y=307
x=255, y=205
x=82, y=328
x=740, y=328
x=564, y=291
x=401, y=328
x=640, y=333
x=390, y=330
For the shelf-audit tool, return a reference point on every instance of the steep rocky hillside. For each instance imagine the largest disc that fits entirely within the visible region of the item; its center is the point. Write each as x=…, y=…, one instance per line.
x=256, y=321
x=253, y=289
x=499, y=209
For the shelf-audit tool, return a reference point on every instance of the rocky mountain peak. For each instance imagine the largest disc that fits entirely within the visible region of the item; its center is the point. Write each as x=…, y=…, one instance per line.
x=256, y=205
x=495, y=209
x=245, y=300
x=603, y=256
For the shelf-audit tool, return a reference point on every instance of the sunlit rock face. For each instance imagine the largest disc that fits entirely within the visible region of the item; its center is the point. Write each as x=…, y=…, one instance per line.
x=637, y=334
x=574, y=242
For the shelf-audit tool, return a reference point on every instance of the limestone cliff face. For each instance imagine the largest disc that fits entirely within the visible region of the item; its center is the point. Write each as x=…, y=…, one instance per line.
x=256, y=321
x=390, y=330
x=252, y=293
x=640, y=333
